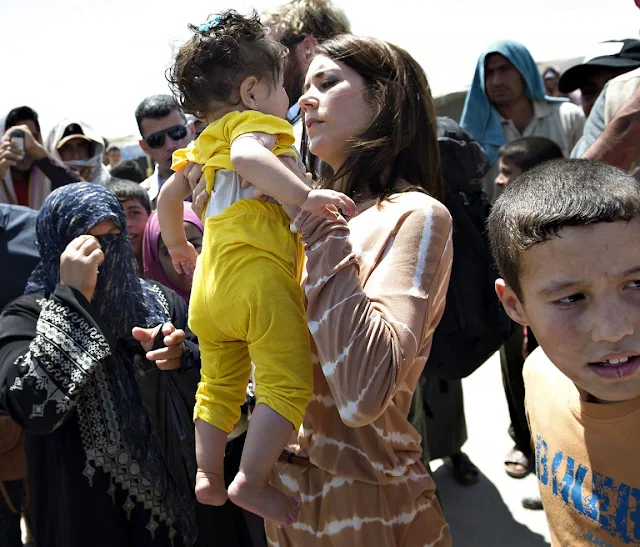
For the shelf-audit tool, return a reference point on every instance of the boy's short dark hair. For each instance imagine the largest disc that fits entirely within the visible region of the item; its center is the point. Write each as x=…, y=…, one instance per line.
x=113, y=149
x=528, y=152
x=552, y=196
x=128, y=170
x=210, y=66
x=126, y=189
x=21, y=114
x=156, y=107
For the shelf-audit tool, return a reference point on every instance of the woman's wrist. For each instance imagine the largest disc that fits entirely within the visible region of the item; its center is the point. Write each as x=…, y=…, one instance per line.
x=313, y=228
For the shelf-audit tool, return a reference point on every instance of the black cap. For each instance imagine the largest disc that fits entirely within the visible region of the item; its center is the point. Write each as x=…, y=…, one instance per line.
x=622, y=54
x=72, y=131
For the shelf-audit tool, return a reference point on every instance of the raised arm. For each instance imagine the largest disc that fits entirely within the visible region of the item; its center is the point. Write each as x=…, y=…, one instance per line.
x=369, y=337
x=48, y=351
x=252, y=158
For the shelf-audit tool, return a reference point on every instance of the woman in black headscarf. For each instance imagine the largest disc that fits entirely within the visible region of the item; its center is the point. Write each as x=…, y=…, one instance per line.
x=75, y=353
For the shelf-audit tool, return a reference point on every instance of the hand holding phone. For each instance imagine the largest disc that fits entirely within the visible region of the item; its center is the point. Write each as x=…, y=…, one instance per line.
x=17, y=142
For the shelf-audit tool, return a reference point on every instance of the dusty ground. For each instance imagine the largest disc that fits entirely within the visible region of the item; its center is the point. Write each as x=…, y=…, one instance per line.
x=489, y=514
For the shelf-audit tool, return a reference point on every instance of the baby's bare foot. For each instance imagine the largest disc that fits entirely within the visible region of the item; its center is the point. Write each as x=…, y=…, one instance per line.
x=210, y=488
x=265, y=501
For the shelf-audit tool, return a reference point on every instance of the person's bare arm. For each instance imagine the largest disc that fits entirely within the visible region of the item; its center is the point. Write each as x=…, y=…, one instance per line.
x=619, y=143
x=252, y=158
x=170, y=216
x=198, y=183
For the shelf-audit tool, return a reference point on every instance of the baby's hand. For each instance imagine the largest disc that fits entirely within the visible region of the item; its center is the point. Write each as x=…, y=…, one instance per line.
x=327, y=204
x=184, y=258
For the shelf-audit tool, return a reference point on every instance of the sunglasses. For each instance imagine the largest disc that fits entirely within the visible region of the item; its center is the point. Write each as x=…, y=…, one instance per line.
x=157, y=139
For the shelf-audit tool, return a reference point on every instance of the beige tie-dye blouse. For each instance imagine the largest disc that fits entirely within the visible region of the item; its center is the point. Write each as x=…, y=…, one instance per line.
x=375, y=293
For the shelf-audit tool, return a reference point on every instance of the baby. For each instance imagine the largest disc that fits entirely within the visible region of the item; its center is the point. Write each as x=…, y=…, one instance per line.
x=246, y=303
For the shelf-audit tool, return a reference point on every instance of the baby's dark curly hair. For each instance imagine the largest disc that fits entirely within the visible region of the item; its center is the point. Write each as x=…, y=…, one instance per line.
x=222, y=52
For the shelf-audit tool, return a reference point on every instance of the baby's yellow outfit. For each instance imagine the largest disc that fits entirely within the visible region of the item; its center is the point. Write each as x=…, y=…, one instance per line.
x=246, y=302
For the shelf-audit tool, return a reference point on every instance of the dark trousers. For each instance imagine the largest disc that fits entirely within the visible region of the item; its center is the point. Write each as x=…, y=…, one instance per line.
x=10, y=535
x=446, y=424
x=511, y=362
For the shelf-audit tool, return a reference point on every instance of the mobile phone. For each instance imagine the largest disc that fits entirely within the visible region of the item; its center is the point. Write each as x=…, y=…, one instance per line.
x=158, y=341
x=17, y=141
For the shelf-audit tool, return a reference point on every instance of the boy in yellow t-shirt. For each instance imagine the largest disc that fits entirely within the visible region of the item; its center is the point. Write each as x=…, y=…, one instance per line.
x=246, y=302
x=566, y=238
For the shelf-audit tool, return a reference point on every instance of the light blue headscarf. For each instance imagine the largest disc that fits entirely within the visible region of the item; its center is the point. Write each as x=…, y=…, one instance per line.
x=479, y=117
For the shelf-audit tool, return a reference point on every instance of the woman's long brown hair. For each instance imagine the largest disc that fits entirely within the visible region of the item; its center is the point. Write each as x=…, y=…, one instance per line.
x=401, y=142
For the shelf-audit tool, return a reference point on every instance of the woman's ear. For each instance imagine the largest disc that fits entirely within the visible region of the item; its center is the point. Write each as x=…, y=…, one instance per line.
x=511, y=303
x=247, y=92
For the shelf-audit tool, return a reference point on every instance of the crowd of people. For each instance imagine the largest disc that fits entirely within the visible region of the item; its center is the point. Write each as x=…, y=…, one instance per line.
x=262, y=341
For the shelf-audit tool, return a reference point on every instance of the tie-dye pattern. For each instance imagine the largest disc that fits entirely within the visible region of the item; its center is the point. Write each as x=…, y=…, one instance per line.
x=375, y=291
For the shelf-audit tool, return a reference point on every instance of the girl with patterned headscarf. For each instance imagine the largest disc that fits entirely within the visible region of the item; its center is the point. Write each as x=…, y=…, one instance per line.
x=71, y=370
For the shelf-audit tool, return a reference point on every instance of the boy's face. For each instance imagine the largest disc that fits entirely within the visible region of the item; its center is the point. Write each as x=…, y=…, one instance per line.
x=137, y=217
x=507, y=173
x=581, y=297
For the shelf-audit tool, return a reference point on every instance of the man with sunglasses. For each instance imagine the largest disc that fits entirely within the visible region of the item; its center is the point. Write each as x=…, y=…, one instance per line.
x=164, y=129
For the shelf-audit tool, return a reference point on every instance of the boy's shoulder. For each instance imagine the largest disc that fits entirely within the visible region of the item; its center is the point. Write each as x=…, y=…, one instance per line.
x=544, y=384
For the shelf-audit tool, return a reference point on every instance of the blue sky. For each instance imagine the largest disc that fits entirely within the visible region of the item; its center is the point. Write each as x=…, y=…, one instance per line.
x=96, y=60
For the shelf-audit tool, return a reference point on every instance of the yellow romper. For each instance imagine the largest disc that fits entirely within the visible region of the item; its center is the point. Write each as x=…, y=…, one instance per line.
x=246, y=301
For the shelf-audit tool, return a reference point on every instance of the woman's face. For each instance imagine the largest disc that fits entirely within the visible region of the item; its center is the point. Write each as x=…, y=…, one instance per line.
x=183, y=282
x=106, y=227
x=336, y=109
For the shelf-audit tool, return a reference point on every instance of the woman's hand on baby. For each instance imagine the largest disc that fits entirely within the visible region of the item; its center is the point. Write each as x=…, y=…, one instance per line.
x=328, y=204
x=198, y=184
x=183, y=257
x=167, y=357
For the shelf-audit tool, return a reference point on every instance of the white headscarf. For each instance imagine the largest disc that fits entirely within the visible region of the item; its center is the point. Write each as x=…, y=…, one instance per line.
x=99, y=173
x=39, y=184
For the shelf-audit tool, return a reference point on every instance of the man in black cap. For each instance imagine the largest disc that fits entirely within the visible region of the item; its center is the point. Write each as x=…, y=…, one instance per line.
x=79, y=146
x=611, y=59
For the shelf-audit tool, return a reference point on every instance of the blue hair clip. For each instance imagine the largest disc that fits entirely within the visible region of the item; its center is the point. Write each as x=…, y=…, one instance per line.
x=206, y=27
